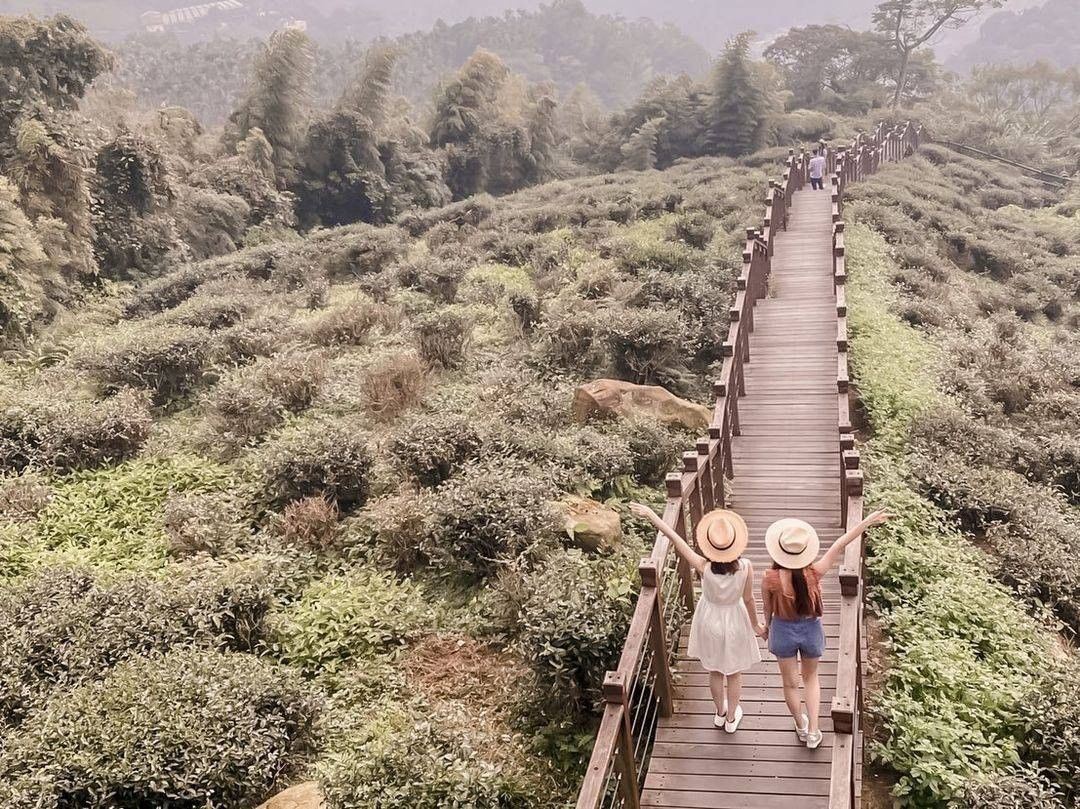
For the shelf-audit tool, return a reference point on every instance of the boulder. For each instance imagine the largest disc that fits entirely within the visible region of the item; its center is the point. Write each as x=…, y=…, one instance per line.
x=614, y=397
x=592, y=525
x=301, y=796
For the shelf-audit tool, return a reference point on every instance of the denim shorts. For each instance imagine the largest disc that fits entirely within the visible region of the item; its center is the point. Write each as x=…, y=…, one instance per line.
x=805, y=637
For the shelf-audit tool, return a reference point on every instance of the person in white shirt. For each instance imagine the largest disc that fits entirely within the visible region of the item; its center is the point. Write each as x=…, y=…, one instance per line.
x=817, y=170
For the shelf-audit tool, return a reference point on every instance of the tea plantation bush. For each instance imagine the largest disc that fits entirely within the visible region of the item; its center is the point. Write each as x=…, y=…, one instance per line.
x=967, y=666
x=573, y=617
x=317, y=458
x=406, y=762
x=63, y=628
x=348, y=618
x=188, y=729
x=487, y=515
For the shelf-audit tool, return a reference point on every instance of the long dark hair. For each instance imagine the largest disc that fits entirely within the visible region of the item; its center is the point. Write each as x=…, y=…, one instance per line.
x=804, y=604
x=724, y=568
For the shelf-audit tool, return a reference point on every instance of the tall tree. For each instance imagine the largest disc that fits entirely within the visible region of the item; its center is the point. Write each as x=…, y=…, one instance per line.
x=277, y=100
x=468, y=99
x=738, y=113
x=639, y=153
x=911, y=24
x=44, y=64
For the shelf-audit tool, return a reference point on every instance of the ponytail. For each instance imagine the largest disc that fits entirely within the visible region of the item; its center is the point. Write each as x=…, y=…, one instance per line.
x=804, y=605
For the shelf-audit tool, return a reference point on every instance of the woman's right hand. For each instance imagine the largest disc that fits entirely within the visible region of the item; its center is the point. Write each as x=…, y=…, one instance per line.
x=644, y=512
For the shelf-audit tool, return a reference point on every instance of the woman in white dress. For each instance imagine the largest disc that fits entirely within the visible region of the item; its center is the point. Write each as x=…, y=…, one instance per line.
x=722, y=634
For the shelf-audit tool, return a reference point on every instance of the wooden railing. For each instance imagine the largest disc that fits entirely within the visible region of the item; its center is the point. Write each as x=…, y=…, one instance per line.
x=639, y=691
x=864, y=157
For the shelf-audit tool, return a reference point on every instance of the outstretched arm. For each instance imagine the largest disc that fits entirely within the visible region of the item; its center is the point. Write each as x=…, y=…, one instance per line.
x=833, y=554
x=693, y=558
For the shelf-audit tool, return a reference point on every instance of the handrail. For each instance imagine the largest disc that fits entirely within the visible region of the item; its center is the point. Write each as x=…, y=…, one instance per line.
x=639, y=691
x=1043, y=176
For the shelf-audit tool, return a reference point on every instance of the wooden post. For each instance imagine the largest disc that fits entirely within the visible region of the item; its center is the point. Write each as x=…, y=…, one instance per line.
x=649, y=570
x=615, y=692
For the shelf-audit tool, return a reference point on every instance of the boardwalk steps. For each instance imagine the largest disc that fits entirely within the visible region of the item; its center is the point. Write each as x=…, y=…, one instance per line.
x=780, y=445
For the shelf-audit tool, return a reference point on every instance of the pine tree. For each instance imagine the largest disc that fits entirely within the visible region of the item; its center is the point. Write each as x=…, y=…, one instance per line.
x=738, y=113
x=639, y=153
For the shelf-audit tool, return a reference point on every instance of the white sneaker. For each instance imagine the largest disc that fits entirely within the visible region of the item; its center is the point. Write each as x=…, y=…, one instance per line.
x=813, y=740
x=733, y=726
x=721, y=717
x=803, y=729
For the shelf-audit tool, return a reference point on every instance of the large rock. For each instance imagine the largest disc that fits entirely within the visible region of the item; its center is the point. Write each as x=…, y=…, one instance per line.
x=614, y=397
x=301, y=796
x=592, y=525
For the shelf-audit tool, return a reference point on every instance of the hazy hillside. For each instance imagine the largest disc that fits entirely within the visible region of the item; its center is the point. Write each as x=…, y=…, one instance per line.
x=710, y=22
x=562, y=43
x=1050, y=33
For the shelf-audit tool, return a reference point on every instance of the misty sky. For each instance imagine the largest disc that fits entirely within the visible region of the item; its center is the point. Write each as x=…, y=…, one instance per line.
x=709, y=21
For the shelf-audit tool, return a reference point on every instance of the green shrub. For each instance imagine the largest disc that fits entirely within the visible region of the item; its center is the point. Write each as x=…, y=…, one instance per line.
x=398, y=525
x=114, y=518
x=574, y=614
x=443, y=338
x=348, y=324
x=438, y=276
x=169, y=361
x=571, y=336
x=399, y=761
x=1051, y=715
x=645, y=345
x=312, y=459
x=348, y=618
x=488, y=515
x=22, y=498
x=89, y=436
x=61, y=629
x=695, y=228
x=64, y=435
x=432, y=446
x=204, y=523
x=188, y=729
x=963, y=657
x=1022, y=789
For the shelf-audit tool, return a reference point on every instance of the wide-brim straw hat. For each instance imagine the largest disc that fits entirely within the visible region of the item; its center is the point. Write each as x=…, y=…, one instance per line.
x=792, y=543
x=722, y=536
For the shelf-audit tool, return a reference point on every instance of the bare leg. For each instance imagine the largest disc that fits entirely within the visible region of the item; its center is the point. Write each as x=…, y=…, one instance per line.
x=734, y=689
x=789, y=673
x=812, y=689
x=716, y=688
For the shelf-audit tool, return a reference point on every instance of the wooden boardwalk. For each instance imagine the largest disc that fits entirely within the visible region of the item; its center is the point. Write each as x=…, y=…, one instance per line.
x=786, y=465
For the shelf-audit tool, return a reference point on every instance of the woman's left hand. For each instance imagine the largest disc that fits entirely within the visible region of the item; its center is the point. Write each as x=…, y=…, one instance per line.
x=644, y=512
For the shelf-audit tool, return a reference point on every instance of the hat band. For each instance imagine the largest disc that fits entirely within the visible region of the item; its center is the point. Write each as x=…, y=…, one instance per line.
x=720, y=547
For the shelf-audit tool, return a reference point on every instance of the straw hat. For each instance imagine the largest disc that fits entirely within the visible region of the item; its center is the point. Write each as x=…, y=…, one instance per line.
x=793, y=544
x=722, y=536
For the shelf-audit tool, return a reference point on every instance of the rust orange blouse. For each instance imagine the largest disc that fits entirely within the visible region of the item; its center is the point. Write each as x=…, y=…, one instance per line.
x=777, y=589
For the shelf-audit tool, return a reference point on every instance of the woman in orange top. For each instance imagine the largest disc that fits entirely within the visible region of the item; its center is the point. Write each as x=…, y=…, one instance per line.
x=791, y=593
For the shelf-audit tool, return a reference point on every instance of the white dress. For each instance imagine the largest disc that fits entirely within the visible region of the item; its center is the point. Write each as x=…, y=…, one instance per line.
x=722, y=634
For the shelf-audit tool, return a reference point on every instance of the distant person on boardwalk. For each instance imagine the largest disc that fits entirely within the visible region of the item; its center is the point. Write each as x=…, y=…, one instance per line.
x=791, y=595
x=722, y=634
x=818, y=164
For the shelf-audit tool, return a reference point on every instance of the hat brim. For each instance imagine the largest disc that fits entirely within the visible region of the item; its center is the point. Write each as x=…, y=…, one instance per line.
x=792, y=561
x=710, y=551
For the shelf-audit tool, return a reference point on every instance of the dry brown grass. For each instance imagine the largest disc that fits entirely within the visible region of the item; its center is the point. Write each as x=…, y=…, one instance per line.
x=395, y=383
x=311, y=522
